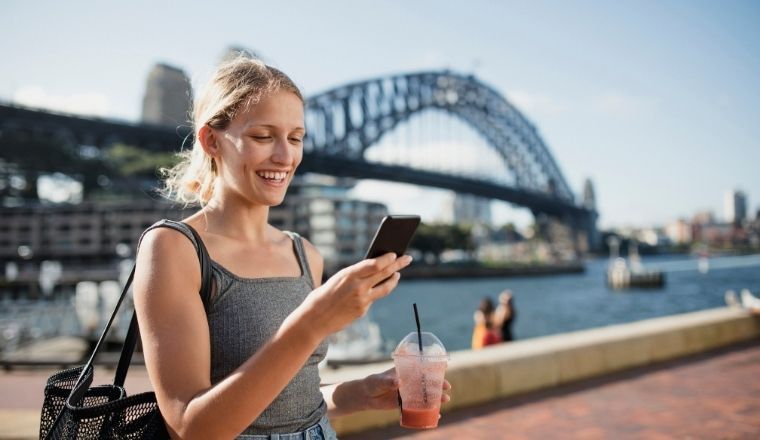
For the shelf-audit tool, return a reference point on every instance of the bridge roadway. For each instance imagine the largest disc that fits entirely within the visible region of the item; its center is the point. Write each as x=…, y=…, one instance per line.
x=712, y=395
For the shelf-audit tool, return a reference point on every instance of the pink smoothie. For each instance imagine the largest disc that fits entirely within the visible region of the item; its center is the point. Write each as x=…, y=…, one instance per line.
x=419, y=418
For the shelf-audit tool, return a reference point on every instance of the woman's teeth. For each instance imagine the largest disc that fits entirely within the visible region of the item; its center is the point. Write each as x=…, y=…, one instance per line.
x=272, y=175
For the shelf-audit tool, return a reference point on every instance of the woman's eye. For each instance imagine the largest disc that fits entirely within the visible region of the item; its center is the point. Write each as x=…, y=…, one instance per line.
x=295, y=139
x=262, y=138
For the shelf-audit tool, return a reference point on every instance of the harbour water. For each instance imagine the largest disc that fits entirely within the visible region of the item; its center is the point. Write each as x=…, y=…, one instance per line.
x=544, y=305
x=562, y=303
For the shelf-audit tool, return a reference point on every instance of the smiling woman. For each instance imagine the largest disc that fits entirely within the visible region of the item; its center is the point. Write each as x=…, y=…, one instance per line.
x=241, y=359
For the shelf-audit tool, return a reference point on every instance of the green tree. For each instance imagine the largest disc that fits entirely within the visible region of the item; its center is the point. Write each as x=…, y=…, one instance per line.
x=433, y=239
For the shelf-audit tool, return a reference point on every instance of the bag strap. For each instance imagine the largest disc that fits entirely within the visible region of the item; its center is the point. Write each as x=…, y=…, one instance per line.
x=132, y=334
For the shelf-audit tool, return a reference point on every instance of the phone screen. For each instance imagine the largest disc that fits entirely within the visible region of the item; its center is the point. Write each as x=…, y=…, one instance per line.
x=393, y=235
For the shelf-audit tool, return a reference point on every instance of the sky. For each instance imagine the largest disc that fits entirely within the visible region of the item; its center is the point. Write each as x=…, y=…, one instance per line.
x=657, y=102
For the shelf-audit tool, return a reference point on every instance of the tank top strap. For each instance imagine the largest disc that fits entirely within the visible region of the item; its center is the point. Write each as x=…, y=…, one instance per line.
x=303, y=261
x=205, y=260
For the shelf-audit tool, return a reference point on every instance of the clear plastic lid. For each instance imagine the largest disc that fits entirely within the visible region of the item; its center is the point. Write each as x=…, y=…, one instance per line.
x=432, y=347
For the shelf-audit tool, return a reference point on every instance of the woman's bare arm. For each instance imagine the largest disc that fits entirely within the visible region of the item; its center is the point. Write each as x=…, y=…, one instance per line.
x=176, y=344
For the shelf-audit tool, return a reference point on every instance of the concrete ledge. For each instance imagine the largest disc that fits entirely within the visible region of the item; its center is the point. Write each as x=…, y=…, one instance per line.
x=509, y=369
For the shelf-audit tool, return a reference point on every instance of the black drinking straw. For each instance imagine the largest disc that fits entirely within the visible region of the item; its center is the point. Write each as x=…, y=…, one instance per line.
x=419, y=334
x=419, y=341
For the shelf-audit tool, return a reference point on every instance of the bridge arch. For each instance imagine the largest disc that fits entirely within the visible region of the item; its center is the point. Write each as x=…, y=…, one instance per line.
x=346, y=121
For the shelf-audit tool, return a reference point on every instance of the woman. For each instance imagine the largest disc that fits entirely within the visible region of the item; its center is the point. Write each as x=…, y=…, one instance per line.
x=248, y=363
x=504, y=315
x=484, y=333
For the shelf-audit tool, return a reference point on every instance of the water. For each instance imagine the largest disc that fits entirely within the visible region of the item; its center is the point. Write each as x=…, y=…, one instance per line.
x=556, y=304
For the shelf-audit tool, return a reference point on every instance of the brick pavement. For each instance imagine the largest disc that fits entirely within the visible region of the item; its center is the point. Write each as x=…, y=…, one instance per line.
x=710, y=396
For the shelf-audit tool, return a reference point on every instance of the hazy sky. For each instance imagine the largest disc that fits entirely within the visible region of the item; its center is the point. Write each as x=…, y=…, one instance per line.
x=657, y=101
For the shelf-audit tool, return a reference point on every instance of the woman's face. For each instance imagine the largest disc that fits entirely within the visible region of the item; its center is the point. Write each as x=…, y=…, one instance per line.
x=261, y=149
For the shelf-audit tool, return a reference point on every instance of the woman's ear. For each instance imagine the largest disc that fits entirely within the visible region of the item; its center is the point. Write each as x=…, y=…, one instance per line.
x=208, y=137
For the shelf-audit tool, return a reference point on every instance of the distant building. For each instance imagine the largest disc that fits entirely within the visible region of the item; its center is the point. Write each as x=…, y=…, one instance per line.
x=735, y=207
x=469, y=209
x=319, y=208
x=83, y=234
x=168, y=96
x=94, y=237
x=653, y=237
x=679, y=232
x=589, y=198
x=703, y=218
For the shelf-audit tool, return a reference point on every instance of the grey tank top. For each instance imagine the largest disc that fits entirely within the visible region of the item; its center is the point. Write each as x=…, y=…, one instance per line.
x=242, y=315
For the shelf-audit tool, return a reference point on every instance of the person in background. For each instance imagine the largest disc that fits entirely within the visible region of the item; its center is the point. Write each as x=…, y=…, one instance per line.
x=504, y=315
x=484, y=332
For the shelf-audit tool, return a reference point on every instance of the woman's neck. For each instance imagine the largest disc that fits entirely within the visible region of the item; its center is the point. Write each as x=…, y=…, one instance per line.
x=246, y=223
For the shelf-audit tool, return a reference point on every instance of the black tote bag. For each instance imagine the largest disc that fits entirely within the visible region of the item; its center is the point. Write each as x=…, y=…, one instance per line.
x=74, y=409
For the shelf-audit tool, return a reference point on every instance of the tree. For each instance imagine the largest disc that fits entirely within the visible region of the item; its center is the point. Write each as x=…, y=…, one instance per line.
x=432, y=239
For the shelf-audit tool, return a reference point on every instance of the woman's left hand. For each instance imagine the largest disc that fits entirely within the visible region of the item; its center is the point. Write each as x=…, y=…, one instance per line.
x=381, y=390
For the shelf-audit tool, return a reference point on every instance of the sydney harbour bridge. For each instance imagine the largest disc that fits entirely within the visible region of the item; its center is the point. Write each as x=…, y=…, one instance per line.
x=346, y=123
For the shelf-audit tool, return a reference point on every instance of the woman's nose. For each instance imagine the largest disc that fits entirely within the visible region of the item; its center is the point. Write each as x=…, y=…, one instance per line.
x=282, y=153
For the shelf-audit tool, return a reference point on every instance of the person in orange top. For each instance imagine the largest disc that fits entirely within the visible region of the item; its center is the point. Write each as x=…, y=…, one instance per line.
x=484, y=333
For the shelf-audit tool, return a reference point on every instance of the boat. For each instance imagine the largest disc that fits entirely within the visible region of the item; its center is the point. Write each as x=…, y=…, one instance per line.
x=622, y=274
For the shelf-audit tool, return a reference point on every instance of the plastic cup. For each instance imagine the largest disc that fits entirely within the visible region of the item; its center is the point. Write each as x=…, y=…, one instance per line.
x=420, y=378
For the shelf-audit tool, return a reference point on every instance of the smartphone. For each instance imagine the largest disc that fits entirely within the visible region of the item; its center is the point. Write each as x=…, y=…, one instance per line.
x=393, y=235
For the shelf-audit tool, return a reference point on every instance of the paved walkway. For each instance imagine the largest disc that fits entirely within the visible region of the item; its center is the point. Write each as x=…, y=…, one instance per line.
x=714, y=396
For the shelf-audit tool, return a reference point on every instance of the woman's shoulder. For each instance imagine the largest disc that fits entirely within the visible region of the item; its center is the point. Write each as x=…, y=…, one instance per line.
x=311, y=251
x=313, y=257
x=166, y=243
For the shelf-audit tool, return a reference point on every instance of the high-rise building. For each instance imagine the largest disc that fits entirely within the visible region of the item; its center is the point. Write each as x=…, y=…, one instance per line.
x=735, y=206
x=469, y=209
x=168, y=96
x=589, y=197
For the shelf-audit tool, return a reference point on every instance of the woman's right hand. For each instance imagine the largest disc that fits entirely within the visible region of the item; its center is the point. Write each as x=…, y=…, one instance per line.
x=348, y=294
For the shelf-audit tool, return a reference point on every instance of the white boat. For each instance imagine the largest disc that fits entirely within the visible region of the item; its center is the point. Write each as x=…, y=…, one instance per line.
x=622, y=274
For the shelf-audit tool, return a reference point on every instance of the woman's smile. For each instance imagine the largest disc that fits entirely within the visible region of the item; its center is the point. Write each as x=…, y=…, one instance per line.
x=273, y=178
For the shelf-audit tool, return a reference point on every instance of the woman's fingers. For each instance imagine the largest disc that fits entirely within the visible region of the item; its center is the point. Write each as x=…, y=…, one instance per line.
x=385, y=287
x=382, y=383
x=446, y=387
x=371, y=266
x=389, y=270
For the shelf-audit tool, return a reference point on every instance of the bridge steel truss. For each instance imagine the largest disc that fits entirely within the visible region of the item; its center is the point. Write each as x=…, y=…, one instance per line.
x=344, y=122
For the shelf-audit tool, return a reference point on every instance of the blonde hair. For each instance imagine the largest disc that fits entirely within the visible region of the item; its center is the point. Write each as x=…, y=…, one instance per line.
x=236, y=85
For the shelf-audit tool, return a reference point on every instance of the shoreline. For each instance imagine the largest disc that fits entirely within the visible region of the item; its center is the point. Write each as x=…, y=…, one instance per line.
x=443, y=271
x=422, y=272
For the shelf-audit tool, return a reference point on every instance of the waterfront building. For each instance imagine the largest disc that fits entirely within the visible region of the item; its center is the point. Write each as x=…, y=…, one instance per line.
x=84, y=233
x=653, y=237
x=471, y=210
x=341, y=228
x=679, y=231
x=168, y=96
x=735, y=207
x=96, y=236
x=703, y=218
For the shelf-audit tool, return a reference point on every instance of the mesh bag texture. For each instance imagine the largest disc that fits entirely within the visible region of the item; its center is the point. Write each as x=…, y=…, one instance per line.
x=75, y=410
x=104, y=412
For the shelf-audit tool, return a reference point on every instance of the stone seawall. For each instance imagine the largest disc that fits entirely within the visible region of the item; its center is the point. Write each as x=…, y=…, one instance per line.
x=532, y=364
